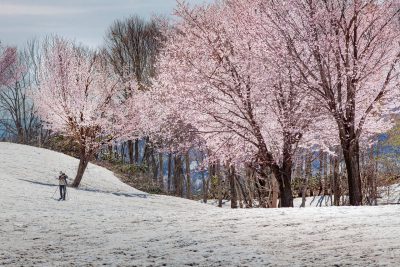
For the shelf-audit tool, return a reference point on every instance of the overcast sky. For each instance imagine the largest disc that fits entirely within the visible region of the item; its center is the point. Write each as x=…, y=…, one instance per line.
x=82, y=20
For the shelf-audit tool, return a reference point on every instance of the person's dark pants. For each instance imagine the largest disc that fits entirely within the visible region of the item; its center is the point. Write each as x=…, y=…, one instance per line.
x=63, y=189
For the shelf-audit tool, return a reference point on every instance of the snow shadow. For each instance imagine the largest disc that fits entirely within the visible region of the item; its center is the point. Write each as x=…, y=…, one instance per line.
x=85, y=188
x=36, y=182
x=130, y=195
x=119, y=194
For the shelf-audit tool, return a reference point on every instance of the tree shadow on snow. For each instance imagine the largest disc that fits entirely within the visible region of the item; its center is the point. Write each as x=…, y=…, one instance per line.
x=39, y=183
x=119, y=194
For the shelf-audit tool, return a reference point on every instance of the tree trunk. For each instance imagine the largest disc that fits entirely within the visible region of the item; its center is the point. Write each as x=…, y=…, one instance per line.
x=153, y=164
x=326, y=174
x=275, y=193
x=110, y=151
x=352, y=160
x=370, y=174
x=188, y=178
x=178, y=176
x=122, y=149
x=205, y=187
x=137, y=151
x=331, y=183
x=374, y=188
x=181, y=177
x=261, y=186
x=231, y=174
x=306, y=178
x=242, y=193
x=320, y=171
x=130, y=151
x=239, y=194
x=283, y=175
x=249, y=183
x=169, y=172
x=83, y=163
x=285, y=190
x=20, y=133
x=336, y=182
x=211, y=177
x=147, y=151
x=219, y=185
x=161, y=169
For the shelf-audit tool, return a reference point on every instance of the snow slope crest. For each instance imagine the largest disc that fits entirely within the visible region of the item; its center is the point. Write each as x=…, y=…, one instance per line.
x=39, y=165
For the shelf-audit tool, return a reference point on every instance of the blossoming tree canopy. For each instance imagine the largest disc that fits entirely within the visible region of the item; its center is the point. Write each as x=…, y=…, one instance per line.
x=8, y=58
x=77, y=98
x=246, y=102
x=348, y=55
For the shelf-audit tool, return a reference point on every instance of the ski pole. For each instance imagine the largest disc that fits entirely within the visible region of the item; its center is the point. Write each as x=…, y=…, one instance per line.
x=54, y=192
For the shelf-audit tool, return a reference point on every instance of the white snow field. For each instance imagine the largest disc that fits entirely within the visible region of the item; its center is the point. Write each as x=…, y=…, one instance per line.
x=116, y=225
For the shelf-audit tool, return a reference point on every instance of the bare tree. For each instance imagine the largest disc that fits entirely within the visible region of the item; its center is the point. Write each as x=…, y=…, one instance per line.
x=18, y=112
x=131, y=48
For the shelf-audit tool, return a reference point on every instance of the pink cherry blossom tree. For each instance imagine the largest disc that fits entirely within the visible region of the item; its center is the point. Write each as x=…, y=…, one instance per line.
x=8, y=59
x=347, y=53
x=245, y=101
x=77, y=97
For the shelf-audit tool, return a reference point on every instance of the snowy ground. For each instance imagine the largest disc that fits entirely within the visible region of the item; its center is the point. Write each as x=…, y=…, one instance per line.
x=113, y=224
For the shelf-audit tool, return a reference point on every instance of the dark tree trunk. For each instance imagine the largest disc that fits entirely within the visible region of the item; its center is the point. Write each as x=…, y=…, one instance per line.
x=169, y=172
x=181, y=177
x=137, y=151
x=211, y=175
x=320, y=171
x=205, y=187
x=275, y=193
x=306, y=178
x=20, y=133
x=239, y=195
x=336, y=182
x=110, y=151
x=326, y=174
x=147, y=151
x=122, y=149
x=188, y=178
x=261, y=186
x=372, y=179
x=161, y=169
x=285, y=187
x=283, y=175
x=231, y=174
x=83, y=163
x=145, y=158
x=249, y=183
x=352, y=160
x=331, y=183
x=219, y=185
x=178, y=176
x=130, y=151
x=175, y=177
x=153, y=164
x=242, y=193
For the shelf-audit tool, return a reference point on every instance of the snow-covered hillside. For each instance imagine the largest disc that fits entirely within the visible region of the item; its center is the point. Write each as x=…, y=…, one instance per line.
x=113, y=224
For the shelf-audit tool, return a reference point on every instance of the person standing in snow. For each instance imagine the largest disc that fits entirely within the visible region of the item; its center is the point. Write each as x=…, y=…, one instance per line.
x=62, y=181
